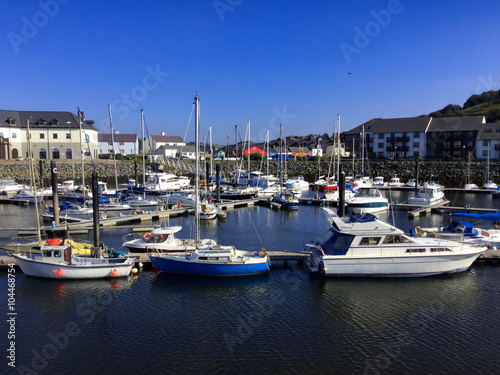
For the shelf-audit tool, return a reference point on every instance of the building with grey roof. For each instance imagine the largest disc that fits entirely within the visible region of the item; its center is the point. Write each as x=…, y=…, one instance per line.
x=54, y=135
x=125, y=144
x=415, y=137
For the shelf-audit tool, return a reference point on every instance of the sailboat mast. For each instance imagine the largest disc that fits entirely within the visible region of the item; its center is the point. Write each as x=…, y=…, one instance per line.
x=338, y=147
x=236, y=151
x=211, y=154
x=248, y=174
x=143, y=156
x=281, y=157
x=84, y=191
x=113, y=146
x=32, y=174
x=267, y=152
x=363, y=152
x=197, y=167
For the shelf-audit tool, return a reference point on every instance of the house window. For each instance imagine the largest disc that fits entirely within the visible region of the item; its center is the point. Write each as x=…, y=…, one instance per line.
x=120, y=144
x=380, y=145
x=486, y=143
x=416, y=144
x=43, y=154
x=69, y=153
x=381, y=136
x=54, y=122
x=416, y=135
x=469, y=144
x=14, y=135
x=42, y=136
x=446, y=144
x=498, y=130
x=416, y=154
x=54, y=136
x=485, y=152
x=41, y=122
x=456, y=134
x=11, y=121
x=68, y=135
x=110, y=143
x=487, y=130
x=456, y=144
x=55, y=153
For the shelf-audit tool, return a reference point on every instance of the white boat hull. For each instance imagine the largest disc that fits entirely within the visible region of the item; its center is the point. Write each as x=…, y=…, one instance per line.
x=397, y=266
x=106, y=268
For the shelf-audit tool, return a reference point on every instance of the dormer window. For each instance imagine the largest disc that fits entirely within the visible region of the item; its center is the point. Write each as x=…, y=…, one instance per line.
x=11, y=121
x=54, y=122
x=42, y=122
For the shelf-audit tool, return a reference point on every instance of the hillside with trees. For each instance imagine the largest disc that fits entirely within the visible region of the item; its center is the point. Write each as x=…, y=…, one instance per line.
x=486, y=104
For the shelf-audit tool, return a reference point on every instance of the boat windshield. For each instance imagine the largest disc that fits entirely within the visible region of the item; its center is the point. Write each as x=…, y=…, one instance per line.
x=335, y=243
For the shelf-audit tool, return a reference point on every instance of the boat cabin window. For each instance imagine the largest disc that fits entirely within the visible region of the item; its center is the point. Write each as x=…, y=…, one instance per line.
x=436, y=249
x=396, y=239
x=52, y=253
x=415, y=250
x=335, y=243
x=57, y=253
x=47, y=253
x=370, y=240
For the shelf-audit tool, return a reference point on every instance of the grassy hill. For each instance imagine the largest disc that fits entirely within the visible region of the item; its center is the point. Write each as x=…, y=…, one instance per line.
x=486, y=104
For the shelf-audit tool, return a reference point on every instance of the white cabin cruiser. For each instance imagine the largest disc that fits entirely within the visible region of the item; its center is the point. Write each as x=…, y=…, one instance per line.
x=367, y=200
x=362, y=245
x=428, y=194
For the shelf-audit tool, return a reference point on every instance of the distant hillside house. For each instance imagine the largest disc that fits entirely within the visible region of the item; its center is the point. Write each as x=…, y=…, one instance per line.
x=125, y=144
x=176, y=152
x=254, y=149
x=156, y=141
x=488, y=140
x=409, y=138
x=54, y=135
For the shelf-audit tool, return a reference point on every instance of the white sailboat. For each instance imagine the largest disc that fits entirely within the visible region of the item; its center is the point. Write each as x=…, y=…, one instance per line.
x=57, y=260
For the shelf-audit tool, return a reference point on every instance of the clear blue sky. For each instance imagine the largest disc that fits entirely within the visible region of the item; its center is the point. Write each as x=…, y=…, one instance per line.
x=267, y=61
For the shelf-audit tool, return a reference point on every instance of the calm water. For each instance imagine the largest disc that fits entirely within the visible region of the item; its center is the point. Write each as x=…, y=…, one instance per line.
x=286, y=322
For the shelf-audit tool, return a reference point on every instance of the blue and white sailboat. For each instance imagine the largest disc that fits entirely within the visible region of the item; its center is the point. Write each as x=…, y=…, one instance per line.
x=210, y=260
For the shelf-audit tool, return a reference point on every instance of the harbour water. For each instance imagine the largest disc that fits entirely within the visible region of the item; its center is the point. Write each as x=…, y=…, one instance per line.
x=286, y=322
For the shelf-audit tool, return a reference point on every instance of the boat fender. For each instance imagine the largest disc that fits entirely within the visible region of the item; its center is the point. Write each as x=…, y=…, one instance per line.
x=66, y=187
x=178, y=204
x=431, y=234
x=146, y=236
x=418, y=231
x=316, y=196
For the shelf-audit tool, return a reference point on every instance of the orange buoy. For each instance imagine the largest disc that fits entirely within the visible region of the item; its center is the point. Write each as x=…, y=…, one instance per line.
x=114, y=273
x=59, y=273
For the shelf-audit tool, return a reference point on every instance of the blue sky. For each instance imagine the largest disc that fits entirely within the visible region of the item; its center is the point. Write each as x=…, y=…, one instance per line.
x=268, y=62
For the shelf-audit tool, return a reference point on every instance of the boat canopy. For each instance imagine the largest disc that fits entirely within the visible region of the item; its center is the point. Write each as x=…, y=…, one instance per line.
x=364, y=218
x=494, y=216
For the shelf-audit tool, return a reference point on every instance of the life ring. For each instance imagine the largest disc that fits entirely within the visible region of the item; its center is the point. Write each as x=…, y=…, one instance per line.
x=290, y=199
x=89, y=191
x=208, y=209
x=431, y=234
x=418, y=231
x=66, y=187
x=145, y=236
x=178, y=204
x=159, y=235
